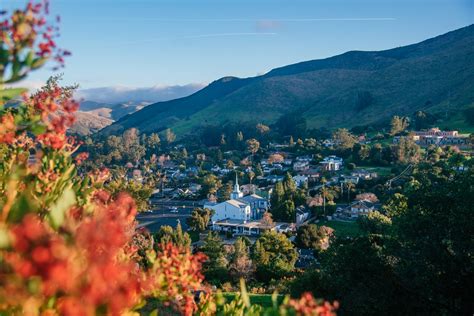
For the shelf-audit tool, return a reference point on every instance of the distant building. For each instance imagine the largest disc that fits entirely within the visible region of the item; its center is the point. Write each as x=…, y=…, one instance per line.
x=437, y=137
x=301, y=165
x=302, y=214
x=358, y=208
x=331, y=163
x=300, y=180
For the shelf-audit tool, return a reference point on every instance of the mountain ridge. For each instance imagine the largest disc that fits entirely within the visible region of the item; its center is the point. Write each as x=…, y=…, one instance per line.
x=437, y=71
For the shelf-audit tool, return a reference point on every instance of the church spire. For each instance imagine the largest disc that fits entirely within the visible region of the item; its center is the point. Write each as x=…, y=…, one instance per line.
x=236, y=193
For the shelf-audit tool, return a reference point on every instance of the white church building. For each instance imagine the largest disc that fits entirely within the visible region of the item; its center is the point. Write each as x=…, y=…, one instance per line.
x=240, y=210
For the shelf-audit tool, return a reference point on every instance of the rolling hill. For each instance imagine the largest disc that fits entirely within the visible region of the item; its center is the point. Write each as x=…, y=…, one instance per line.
x=351, y=89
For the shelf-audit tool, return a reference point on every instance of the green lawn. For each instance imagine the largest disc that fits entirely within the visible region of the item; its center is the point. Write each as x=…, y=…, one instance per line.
x=342, y=229
x=264, y=300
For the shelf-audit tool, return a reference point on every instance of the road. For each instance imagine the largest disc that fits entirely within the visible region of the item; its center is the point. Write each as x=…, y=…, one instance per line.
x=162, y=215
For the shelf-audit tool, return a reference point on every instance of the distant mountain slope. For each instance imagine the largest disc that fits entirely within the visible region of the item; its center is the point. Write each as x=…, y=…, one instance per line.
x=88, y=123
x=355, y=88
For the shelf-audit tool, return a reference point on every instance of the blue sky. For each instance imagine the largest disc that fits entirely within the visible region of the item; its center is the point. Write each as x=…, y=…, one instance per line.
x=144, y=43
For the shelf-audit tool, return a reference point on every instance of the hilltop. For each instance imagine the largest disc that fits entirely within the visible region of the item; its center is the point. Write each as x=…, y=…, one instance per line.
x=352, y=89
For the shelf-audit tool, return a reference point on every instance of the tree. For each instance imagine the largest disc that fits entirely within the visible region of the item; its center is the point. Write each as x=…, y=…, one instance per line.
x=253, y=146
x=274, y=256
x=130, y=138
x=222, y=141
x=275, y=158
x=215, y=267
x=167, y=234
x=241, y=266
x=374, y=223
x=226, y=190
x=170, y=136
x=343, y=139
x=199, y=219
x=367, y=196
x=153, y=141
x=210, y=184
x=423, y=120
x=263, y=129
x=311, y=236
x=140, y=192
x=259, y=170
x=406, y=151
x=266, y=221
x=239, y=137
x=251, y=175
x=398, y=125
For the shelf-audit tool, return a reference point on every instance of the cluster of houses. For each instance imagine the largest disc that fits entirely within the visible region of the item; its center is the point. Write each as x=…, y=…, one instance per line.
x=437, y=137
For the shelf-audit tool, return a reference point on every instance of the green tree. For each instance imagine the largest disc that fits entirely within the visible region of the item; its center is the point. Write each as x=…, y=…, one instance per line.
x=199, y=219
x=343, y=139
x=153, y=141
x=170, y=136
x=140, y=192
x=241, y=266
x=210, y=184
x=399, y=124
x=311, y=236
x=215, y=268
x=167, y=234
x=274, y=256
x=374, y=223
x=262, y=129
x=253, y=146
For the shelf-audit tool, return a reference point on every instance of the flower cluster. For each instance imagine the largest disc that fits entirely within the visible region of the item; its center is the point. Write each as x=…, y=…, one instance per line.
x=307, y=305
x=56, y=108
x=7, y=129
x=82, y=270
x=27, y=41
x=176, y=273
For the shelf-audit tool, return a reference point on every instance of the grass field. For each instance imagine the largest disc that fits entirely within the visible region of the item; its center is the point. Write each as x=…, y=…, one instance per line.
x=343, y=229
x=264, y=300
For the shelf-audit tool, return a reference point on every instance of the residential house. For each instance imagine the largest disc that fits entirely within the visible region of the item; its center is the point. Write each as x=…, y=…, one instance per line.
x=301, y=165
x=331, y=163
x=302, y=214
x=300, y=180
x=358, y=208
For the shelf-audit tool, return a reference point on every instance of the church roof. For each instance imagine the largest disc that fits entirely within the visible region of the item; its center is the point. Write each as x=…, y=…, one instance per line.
x=236, y=203
x=251, y=198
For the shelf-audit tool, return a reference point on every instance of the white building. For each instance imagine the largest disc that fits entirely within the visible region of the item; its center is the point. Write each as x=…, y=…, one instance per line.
x=300, y=180
x=239, y=207
x=331, y=163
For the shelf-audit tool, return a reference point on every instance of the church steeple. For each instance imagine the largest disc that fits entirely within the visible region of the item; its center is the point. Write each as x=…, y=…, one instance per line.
x=236, y=193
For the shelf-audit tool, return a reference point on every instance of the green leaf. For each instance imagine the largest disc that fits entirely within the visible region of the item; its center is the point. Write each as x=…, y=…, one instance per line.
x=4, y=238
x=38, y=62
x=62, y=205
x=38, y=129
x=8, y=94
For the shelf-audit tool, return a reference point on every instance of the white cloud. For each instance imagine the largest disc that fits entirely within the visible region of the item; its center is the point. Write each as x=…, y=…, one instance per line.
x=118, y=94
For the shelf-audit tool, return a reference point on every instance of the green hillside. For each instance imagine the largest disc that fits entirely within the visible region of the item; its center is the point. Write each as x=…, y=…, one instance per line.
x=355, y=88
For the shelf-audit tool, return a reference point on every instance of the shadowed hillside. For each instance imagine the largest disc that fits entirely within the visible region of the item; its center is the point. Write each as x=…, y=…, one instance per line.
x=355, y=88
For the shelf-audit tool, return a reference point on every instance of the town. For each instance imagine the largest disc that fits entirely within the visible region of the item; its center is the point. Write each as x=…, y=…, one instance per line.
x=307, y=191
